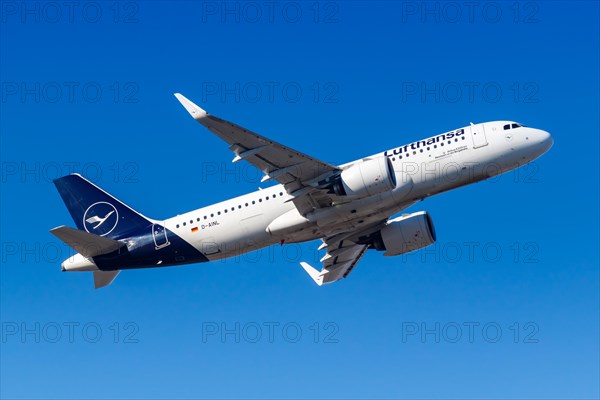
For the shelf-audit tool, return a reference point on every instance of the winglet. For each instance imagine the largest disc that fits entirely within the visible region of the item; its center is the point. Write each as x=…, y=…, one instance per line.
x=313, y=273
x=195, y=111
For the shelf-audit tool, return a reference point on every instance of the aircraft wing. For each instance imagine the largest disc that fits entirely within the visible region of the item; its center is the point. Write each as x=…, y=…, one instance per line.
x=344, y=251
x=297, y=171
x=340, y=259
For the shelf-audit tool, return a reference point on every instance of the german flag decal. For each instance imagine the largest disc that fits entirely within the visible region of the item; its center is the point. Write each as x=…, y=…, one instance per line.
x=194, y=230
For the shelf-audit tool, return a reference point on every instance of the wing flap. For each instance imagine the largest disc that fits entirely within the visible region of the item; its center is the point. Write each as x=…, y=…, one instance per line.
x=344, y=251
x=338, y=262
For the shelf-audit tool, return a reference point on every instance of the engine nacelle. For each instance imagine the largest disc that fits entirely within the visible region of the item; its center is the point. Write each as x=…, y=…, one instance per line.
x=404, y=234
x=366, y=178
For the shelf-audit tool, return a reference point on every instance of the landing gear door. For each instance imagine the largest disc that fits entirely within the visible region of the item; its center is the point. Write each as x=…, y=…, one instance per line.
x=478, y=135
x=159, y=234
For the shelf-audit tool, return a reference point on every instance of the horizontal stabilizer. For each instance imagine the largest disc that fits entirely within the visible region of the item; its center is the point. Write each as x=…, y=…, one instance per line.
x=104, y=278
x=86, y=244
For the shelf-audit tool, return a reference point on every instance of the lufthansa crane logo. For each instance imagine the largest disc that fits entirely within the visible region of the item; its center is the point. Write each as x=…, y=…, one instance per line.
x=100, y=218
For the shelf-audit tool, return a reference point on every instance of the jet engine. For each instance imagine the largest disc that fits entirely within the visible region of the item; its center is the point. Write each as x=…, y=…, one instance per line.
x=366, y=178
x=403, y=234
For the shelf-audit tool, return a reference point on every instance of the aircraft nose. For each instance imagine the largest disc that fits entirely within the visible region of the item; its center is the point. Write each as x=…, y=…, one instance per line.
x=545, y=140
x=539, y=140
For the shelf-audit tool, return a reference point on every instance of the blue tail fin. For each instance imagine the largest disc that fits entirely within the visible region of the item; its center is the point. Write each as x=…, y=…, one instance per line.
x=96, y=211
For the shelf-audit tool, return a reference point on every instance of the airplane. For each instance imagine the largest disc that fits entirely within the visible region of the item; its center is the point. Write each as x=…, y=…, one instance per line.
x=348, y=207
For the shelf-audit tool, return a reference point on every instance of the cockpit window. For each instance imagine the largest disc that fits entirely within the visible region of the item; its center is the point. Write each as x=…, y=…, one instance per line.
x=512, y=126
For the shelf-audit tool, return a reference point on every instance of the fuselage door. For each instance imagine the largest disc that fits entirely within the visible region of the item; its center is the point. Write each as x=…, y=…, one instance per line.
x=478, y=135
x=209, y=246
x=159, y=234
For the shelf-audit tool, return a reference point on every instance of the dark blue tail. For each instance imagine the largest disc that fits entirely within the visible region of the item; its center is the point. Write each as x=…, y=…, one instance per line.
x=96, y=211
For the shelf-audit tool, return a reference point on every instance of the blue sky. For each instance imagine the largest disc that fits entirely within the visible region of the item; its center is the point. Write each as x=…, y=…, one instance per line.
x=505, y=306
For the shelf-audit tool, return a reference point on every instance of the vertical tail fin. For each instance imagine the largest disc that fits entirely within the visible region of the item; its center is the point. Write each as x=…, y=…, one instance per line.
x=95, y=211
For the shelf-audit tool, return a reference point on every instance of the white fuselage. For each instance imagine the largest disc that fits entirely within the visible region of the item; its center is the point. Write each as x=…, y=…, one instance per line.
x=424, y=168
